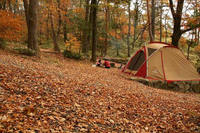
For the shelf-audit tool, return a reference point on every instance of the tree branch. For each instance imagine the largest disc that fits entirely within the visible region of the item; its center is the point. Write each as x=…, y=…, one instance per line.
x=191, y=28
x=180, y=8
x=26, y=8
x=143, y=29
x=172, y=8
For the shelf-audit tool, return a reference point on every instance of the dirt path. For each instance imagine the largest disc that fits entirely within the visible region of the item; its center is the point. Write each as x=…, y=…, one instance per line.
x=52, y=94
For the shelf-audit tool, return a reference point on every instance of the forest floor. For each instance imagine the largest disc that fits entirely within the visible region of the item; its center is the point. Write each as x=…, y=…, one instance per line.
x=53, y=94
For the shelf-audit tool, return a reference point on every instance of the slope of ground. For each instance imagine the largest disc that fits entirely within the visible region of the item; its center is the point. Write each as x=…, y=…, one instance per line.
x=52, y=94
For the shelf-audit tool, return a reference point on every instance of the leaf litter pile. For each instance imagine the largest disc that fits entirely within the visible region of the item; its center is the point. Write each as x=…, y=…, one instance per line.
x=52, y=94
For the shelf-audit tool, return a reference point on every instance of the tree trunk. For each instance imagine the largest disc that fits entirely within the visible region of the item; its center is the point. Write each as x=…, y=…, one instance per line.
x=129, y=27
x=177, y=16
x=117, y=51
x=161, y=11
x=31, y=12
x=65, y=31
x=33, y=23
x=166, y=34
x=47, y=26
x=26, y=7
x=149, y=22
x=188, y=52
x=54, y=36
x=135, y=24
x=198, y=36
x=176, y=37
x=89, y=29
x=94, y=29
x=10, y=5
x=106, y=27
x=65, y=26
x=59, y=19
x=117, y=45
x=153, y=19
x=196, y=14
x=86, y=31
x=189, y=45
x=3, y=5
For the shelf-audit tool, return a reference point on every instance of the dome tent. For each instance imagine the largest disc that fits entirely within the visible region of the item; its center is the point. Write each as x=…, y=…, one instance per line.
x=161, y=61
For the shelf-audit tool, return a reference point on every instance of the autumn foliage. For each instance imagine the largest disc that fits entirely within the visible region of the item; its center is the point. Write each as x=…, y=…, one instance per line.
x=11, y=26
x=73, y=44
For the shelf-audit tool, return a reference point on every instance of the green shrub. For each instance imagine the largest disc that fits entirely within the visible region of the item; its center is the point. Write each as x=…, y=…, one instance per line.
x=26, y=51
x=2, y=44
x=72, y=55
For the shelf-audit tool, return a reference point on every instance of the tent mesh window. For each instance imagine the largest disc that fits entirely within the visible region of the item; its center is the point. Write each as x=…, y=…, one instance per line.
x=137, y=61
x=151, y=51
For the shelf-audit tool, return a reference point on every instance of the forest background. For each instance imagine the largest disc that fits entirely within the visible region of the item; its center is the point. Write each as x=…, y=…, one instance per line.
x=92, y=28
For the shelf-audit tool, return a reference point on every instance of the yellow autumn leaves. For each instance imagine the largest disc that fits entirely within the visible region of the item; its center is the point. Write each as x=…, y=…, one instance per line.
x=73, y=44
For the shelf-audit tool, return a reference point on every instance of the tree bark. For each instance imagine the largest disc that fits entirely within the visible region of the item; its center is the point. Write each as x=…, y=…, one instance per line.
x=65, y=31
x=33, y=23
x=54, y=36
x=177, y=17
x=89, y=28
x=26, y=7
x=166, y=33
x=129, y=27
x=3, y=5
x=161, y=11
x=188, y=52
x=149, y=22
x=65, y=26
x=153, y=19
x=196, y=14
x=135, y=24
x=117, y=45
x=10, y=6
x=189, y=46
x=31, y=12
x=59, y=19
x=94, y=29
x=198, y=36
x=106, y=27
x=47, y=26
x=86, y=31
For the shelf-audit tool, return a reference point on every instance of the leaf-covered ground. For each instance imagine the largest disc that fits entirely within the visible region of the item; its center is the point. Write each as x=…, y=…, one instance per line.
x=52, y=94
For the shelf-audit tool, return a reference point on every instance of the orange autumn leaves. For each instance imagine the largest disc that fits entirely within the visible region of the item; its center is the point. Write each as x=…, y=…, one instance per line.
x=73, y=44
x=11, y=26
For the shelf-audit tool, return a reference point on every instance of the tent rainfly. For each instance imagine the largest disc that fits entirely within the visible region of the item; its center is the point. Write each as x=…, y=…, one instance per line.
x=161, y=61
